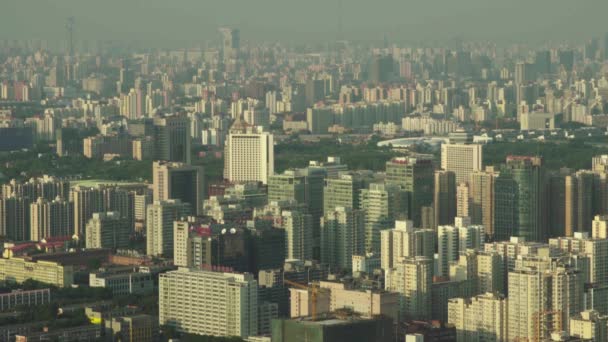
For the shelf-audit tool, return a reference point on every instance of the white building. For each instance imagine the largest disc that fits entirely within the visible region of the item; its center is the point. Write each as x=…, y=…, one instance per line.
x=248, y=154
x=462, y=159
x=481, y=318
x=209, y=303
x=159, y=225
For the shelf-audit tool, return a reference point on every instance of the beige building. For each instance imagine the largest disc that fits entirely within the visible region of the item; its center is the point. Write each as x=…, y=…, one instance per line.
x=405, y=241
x=143, y=149
x=542, y=301
x=462, y=200
x=332, y=296
x=490, y=273
x=481, y=318
x=174, y=180
x=298, y=234
x=19, y=270
x=481, y=192
x=595, y=249
x=540, y=121
x=578, y=208
x=462, y=159
x=300, y=302
x=599, y=227
x=590, y=326
x=159, y=225
x=137, y=328
x=50, y=219
x=108, y=230
x=87, y=200
x=209, y=303
x=412, y=278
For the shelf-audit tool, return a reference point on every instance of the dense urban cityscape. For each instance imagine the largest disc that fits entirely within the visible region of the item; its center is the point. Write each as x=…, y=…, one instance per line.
x=321, y=192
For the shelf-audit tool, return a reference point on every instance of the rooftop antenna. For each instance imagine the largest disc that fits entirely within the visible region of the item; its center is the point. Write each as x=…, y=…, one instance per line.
x=69, y=26
x=340, y=28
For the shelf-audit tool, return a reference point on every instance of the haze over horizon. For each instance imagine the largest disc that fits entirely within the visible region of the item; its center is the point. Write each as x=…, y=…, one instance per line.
x=307, y=21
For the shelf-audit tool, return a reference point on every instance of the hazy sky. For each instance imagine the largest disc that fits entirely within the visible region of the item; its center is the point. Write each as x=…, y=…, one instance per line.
x=306, y=20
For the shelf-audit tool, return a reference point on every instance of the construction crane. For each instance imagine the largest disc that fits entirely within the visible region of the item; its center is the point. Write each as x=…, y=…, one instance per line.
x=314, y=290
x=543, y=323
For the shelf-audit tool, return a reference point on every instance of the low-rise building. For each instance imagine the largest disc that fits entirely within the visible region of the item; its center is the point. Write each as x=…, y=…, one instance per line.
x=16, y=298
x=18, y=270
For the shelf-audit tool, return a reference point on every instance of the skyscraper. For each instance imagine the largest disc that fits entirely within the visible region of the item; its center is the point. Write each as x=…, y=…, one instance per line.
x=15, y=218
x=416, y=177
x=209, y=303
x=172, y=138
x=248, y=154
x=382, y=205
x=108, y=230
x=343, y=191
x=543, y=63
x=87, y=200
x=159, y=225
x=578, y=207
x=445, y=197
x=173, y=180
x=298, y=234
x=304, y=186
x=342, y=236
x=519, y=200
x=231, y=44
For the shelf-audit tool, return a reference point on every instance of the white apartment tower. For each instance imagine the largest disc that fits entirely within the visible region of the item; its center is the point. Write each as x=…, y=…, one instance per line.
x=159, y=225
x=405, y=241
x=481, y=318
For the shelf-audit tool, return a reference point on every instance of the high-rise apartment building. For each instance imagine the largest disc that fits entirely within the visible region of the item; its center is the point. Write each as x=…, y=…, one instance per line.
x=596, y=249
x=342, y=236
x=298, y=227
x=159, y=225
x=405, y=241
x=248, y=154
x=209, y=303
x=481, y=190
x=173, y=180
x=15, y=218
x=382, y=204
x=452, y=240
x=481, y=318
x=343, y=191
x=108, y=230
x=412, y=278
x=87, y=200
x=51, y=219
x=541, y=302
